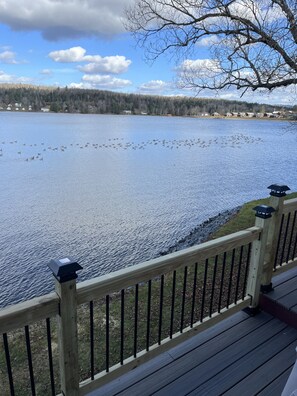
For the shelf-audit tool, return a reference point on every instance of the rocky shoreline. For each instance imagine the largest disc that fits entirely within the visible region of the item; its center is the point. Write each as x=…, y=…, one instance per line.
x=203, y=231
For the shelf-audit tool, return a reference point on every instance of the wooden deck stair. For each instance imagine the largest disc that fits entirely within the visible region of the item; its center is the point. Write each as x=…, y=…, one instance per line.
x=282, y=301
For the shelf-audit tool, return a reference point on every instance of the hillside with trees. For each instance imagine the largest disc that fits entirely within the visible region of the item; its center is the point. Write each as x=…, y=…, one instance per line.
x=106, y=102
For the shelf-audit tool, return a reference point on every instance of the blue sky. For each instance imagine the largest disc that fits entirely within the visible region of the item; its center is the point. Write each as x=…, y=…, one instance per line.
x=83, y=43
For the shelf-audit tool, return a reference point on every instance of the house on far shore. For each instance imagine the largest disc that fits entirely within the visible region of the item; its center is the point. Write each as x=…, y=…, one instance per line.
x=45, y=109
x=127, y=112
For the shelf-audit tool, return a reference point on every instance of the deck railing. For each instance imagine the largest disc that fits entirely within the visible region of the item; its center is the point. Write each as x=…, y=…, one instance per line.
x=82, y=336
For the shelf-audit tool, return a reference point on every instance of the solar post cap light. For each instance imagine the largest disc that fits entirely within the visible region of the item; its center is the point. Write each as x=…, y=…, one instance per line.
x=264, y=211
x=64, y=269
x=278, y=190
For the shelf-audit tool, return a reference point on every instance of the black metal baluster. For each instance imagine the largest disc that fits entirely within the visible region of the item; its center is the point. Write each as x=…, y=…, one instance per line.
x=291, y=237
x=148, y=321
x=222, y=282
x=172, y=303
x=136, y=319
x=295, y=245
x=278, y=242
x=107, y=333
x=8, y=364
x=238, y=275
x=92, y=338
x=194, y=294
x=285, y=238
x=230, y=278
x=204, y=290
x=50, y=355
x=246, y=270
x=161, y=309
x=29, y=355
x=213, y=285
x=183, y=300
x=122, y=325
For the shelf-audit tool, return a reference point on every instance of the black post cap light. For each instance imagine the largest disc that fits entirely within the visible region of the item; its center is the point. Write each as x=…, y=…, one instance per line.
x=278, y=190
x=264, y=211
x=64, y=269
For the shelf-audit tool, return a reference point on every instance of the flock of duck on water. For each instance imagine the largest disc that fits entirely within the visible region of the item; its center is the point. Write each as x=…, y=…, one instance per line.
x=233, y=141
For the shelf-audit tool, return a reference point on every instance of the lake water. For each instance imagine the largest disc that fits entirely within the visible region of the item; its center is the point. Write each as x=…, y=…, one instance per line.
x=113, y=191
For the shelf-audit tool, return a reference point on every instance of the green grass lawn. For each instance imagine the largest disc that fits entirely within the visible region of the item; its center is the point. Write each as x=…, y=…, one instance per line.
x=245, y=218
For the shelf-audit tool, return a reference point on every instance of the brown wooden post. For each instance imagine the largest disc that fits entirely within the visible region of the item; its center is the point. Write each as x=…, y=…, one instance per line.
x=64, y=271
x=263, y=220
x=277, y=196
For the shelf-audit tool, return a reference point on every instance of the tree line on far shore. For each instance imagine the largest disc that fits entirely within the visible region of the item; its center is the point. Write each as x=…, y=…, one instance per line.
x=87, y=101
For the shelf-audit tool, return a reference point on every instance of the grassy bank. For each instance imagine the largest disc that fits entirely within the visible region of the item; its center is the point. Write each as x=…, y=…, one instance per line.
x=244, y=218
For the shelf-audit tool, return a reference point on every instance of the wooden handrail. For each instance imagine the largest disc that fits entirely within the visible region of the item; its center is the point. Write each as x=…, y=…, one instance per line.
x=290, y=205
x=28, y=312
x=101, y=286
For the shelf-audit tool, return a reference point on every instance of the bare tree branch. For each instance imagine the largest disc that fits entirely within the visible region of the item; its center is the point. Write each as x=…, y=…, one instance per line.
x=254, y=41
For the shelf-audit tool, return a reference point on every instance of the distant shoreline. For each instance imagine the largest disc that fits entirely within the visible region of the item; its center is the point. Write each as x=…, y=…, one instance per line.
x=157, y=115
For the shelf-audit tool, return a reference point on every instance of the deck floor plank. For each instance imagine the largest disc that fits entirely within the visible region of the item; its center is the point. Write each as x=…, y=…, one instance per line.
x=283, y=289
x=289, y=301
x=284, y=276
x=276, y=387
x=252, y=361
x=205, y=358
x=201, y=375
x=262, y=377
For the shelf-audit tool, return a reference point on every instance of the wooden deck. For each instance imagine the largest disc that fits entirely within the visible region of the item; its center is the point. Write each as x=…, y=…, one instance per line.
x=282, y=301
x=242, y=355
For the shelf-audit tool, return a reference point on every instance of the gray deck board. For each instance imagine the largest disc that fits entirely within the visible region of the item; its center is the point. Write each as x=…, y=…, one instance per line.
x=218, y=365
x=284, y=276
x=276, y=387
x=265, y=375
x=205, y=359
x=289, y=300
x=285, y=290
x=252, y=361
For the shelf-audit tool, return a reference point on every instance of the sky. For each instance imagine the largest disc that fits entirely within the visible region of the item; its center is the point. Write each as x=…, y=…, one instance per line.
x=83, y=43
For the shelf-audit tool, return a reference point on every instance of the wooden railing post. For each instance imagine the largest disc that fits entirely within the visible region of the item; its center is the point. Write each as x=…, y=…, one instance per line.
x=64, y=271
x=263, y=220
x=277, y=196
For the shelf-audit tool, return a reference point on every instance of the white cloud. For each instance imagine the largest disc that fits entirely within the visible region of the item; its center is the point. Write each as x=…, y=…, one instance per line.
x=58, y=19
x=74, y=54
x=155, y=87
x=80, y=85
x=193, y=66
x=46, y=72
x=109, y=64
x=105, y=81
x=208, y=41
x=11, y=79
x=8, y=57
